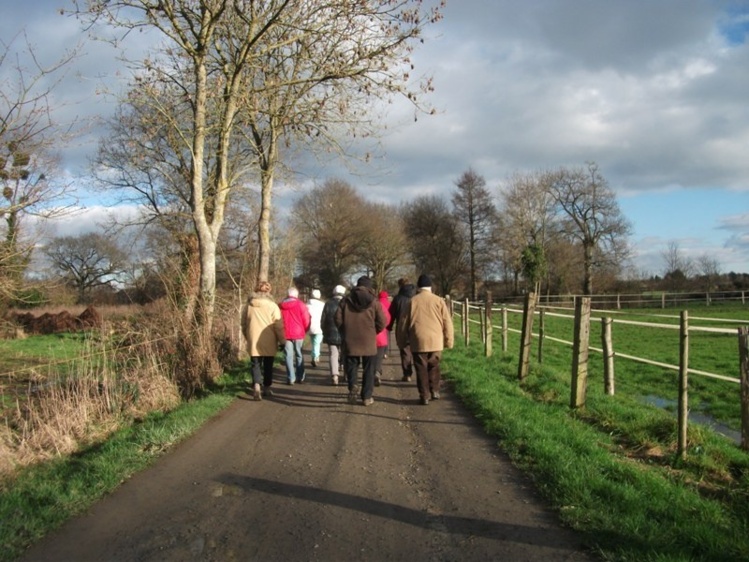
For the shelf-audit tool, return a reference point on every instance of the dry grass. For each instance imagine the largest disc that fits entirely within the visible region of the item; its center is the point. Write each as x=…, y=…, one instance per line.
x=112, y=385
x=142, y=360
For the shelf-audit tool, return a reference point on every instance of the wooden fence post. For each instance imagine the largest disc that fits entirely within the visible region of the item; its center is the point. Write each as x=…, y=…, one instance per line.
x=607, y=344
x=482, y=321
x=526, y=335
x=744, y=376
x=683, y=406
x=541, y=328
x=580, y=351
x=467, y=325
x=504, y=329
x=663, y=300
x=488, y=325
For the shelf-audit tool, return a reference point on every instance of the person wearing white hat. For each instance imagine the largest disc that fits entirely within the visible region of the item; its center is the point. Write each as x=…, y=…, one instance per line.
x=330, y=333
x=315, y=306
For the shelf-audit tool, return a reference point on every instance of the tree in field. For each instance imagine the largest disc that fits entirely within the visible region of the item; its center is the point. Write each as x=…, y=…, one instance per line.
x=679, y=268
x=528, y=218
x=273, y=72
x=709, y=269
x=331, y=220
x=435, y=240
x=87, y=261
x=475, y=211
x=31, y=182
x=591, y=217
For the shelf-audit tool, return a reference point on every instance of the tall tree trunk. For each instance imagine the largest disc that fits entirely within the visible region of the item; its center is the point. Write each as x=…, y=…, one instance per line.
x=588, y=266
x=266, y=191
x=263, y=226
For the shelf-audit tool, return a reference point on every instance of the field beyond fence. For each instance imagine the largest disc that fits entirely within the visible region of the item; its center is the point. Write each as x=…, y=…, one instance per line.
x=690, y=363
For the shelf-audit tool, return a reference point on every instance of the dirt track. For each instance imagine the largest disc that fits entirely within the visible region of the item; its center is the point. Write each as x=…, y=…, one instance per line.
x=307, y=476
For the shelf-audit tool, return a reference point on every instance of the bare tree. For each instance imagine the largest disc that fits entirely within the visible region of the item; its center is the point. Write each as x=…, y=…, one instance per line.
x=475, y=210
x=30, y=177
x=676, y=262
x=273, y=69
x=709, y=268
x=528, y=219
x=87, y=261
x=383, y=249
x=333, y=219
x=592, y=218
x=435, y=240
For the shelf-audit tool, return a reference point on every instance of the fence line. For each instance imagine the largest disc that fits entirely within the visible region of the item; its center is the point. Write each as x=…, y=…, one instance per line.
x=578, y=386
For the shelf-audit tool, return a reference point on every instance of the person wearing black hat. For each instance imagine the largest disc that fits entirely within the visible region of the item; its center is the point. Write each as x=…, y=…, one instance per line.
x=406, y=291
x=427, y=325
x=360, y=317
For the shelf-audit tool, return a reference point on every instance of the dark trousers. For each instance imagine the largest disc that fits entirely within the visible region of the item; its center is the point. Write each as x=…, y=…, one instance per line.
x=351, y=366
x=262, y=370
x=407, y=361
x=428, y=375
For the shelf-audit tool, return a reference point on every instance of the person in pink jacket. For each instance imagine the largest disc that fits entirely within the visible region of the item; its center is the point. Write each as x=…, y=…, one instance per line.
x=296, y=322
x=383, y=337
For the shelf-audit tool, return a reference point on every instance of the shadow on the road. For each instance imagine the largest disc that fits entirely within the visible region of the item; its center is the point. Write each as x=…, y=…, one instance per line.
x=539, y=536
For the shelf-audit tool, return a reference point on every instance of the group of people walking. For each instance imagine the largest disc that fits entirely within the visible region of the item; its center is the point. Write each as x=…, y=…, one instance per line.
x=356, y=328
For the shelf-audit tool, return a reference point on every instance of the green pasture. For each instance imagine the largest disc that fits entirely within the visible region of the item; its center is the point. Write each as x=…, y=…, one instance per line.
x=610, y=469
x=709, y=352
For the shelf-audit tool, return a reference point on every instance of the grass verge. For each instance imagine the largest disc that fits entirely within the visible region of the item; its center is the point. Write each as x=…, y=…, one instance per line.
x=42, y=497
x=610, y=469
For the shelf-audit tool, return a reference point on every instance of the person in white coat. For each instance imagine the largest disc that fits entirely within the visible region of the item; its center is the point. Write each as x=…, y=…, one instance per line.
x=315, y=306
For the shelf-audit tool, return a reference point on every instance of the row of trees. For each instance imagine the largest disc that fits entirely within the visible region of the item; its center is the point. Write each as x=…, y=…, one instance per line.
x=562, y=227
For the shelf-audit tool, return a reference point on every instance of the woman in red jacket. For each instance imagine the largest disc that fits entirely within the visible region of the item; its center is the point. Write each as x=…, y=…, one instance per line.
x=296, y=322
x=383, y=338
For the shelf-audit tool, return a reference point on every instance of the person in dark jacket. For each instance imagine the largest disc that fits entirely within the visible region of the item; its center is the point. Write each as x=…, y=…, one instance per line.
x=330, y=333
x=398, y=306
x=360, y=317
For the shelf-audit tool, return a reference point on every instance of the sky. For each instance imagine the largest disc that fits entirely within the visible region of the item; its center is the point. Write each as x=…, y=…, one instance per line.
x=656, y=92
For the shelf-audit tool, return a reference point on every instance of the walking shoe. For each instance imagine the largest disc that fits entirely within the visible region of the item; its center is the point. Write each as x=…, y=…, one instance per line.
x=352, y=394
x=435, y=395
x=424, y=401
x=314, y=362
x=378, y=379
x=368, y=401
x=267, y=392
x=406, y=378
x=256, y=392
x=335, y=380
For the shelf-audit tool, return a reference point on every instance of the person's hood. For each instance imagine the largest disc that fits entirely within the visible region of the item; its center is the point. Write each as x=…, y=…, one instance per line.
x=361, y=298
x=256, y=299
x=288, y=303
x=407, y=290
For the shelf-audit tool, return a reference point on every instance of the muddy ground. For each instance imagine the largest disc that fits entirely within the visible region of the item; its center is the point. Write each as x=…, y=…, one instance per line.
x=306, y=476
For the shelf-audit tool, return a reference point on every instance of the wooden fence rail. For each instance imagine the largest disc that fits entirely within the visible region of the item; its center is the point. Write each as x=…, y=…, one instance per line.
x=581, y=348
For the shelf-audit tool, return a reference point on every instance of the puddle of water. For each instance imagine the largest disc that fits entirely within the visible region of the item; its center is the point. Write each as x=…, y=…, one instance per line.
x=697, y=417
